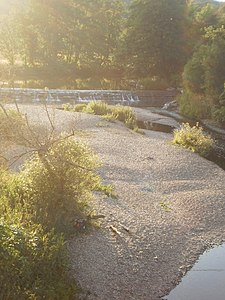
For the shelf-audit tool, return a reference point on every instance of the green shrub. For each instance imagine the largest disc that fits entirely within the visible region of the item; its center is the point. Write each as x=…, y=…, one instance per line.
x=68, y=107
x=36, y=205
x=193, y=138
x=194, y=106
x=126, y=115
x=80, y=107
x=108, y=190
x=10, y=121
x=111, y=113
x=98, y=108
x=56, y=188
x=109, y=117
x=131, y=122
x=33, y=264
x=219, y=115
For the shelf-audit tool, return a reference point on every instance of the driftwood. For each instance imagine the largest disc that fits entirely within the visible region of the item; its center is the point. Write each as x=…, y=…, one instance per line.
x=114, y=230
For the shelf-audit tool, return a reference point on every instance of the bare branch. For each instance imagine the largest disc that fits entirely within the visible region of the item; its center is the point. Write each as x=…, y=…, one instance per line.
x=28, y=136
x=50, y=120
x=17, y=107
x=17, y=157
x=78, y=166
x=32, y=132
x=4, y=110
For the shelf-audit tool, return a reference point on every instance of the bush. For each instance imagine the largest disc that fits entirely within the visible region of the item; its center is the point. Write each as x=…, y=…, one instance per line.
x=219, y=115
x=36, y=205
x=32, y=264
x=193, y=138
x=98, y=108
x=110, y=113
x=68, y=107
x=80, y=107
x=109, y=117
x=194, y=105
x=10, y=121
x=56, y=189
x=126, y=115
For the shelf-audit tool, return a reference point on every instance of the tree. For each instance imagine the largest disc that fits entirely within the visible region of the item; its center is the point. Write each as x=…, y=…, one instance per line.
x=68, y=37
x=156, y=38
x=204, y=74
x=9, y=45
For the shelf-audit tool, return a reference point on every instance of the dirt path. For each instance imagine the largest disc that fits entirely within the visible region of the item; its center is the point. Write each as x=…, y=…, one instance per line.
x=170, y=207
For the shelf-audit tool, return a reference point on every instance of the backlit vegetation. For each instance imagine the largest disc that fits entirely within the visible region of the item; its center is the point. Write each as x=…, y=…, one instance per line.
x=193, y=138
x=39, y=208
x=110, y=113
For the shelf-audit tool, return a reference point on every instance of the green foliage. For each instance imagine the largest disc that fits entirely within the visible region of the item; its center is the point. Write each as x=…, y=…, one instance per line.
x=203, y=15
x=204, y=75
x=97, y=108
x=109, y=117
x=32, y=263
x=193, y=138
x=37, y=205
x=112, y=113
x=9, y=42
x=80, y=107
x=219, y=115
x=154, y=83
x=68, y=107
x=64, y=42
x=194, y=71
x=9, y=122
x=56, y=189
x=194, y=105
x=126, y=115
x=153, y=26
x=108, y=190
x=62, y=37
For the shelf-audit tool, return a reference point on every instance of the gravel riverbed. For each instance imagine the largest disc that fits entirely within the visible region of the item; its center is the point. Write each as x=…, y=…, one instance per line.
x=170, y=208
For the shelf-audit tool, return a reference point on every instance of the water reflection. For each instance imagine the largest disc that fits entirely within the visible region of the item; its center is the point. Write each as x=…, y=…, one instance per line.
x=205, y=281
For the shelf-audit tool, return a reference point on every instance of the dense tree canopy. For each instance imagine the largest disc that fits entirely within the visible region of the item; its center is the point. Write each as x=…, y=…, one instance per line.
x=65, y=42
x=204, y=73
x=156, y=37
x=69, y=37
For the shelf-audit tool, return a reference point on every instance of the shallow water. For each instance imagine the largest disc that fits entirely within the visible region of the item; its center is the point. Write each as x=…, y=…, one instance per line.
x=205, y=281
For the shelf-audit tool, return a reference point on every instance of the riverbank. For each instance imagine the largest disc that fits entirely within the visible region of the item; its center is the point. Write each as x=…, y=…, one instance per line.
x=170, y=207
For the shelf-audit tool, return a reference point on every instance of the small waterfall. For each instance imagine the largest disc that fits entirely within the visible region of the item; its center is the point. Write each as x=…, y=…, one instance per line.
x=68, y=96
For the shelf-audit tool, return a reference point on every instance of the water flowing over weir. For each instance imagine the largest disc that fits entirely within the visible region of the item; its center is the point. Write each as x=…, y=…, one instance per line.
x=124, y=97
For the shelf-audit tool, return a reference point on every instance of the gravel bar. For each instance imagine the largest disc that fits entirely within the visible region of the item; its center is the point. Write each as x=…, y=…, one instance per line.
x=170, y=208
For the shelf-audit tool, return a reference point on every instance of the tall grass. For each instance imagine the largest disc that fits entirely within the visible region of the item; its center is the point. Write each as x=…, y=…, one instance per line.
x=109, y=112
x=193, y=138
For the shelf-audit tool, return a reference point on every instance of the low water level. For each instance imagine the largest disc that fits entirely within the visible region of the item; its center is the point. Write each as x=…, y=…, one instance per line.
x=205, y=281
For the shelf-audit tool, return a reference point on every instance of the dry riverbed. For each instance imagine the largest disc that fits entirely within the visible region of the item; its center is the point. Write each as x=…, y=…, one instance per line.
x=170, y=207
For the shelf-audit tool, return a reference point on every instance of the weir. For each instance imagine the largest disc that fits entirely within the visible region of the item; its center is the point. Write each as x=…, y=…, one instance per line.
x=154, y=98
